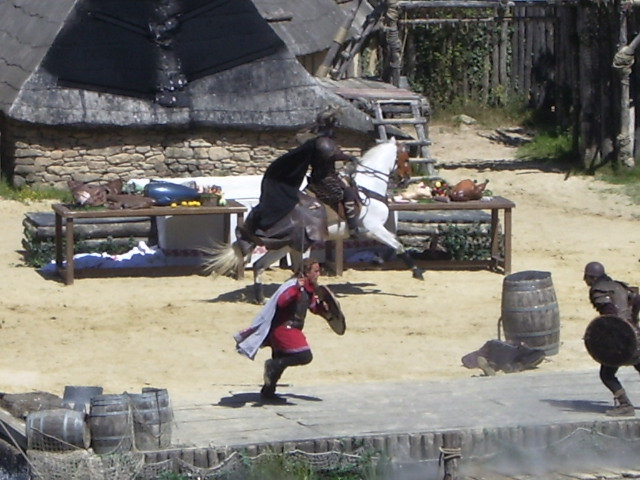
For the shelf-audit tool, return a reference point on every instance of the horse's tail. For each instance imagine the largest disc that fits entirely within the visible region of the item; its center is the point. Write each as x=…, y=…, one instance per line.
x=223, y=259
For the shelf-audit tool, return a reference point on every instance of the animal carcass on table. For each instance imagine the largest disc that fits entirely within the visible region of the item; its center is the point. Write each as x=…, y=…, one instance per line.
x=467, y=190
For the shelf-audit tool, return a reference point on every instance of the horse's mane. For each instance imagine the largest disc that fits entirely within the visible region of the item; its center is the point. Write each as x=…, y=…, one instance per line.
x=384, y=148
x=381, y=150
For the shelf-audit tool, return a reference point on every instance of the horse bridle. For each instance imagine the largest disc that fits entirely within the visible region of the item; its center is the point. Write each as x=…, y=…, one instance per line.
x=360, y=168
x=376, y=173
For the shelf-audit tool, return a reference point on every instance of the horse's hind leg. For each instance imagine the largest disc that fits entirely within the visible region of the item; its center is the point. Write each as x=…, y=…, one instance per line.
x=386, y=237
x=411, y=263
x=260, y=266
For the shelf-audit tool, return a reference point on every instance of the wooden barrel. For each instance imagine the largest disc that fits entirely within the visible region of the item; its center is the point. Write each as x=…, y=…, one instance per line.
x=79, y=397
x=610, y=340
x=57, y=430
x=152, y=418
x=530, y=311
x=110, y=424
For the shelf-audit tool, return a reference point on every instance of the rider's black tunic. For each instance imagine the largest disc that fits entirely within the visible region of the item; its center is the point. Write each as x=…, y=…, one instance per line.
x=283, y=178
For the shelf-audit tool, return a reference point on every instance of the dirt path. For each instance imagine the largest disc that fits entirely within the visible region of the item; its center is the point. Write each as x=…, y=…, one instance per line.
x=175, y=332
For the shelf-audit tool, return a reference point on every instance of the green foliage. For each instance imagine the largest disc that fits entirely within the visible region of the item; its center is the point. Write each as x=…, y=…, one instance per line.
x=466, y=242
x=279, y=467
x=25, y=194
x=549, y=146
x=171, y=476
x=287, y=467
x=514, y=112
x=452, y=59
x=38, y=253
x=628, y=178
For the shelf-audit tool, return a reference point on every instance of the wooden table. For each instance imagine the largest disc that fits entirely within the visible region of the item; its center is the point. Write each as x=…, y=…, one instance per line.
x=495, y=205
x=65, y=214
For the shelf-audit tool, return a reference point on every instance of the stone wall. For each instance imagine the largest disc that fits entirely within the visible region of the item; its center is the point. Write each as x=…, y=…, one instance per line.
x=36, y=155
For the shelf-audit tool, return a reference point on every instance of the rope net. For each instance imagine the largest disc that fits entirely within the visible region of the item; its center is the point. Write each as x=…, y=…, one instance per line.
x=579, y=450
x=82, y=464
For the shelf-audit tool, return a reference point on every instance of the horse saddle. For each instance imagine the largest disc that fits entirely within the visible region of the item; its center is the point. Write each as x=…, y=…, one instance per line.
x=330, y=191
x=303, y=226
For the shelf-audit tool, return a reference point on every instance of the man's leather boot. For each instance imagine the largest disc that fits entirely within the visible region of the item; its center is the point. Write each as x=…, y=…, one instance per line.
x=269, y=388
x=623, y=406
x=351, y=212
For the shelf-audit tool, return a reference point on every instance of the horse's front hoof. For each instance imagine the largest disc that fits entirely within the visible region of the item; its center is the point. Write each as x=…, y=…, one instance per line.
x=417, y=274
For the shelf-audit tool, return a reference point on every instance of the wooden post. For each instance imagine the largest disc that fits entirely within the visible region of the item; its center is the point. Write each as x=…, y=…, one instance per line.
x=394, y=44
x=623, y=61
x=338, y=40
x=450, y=454
x=504, y=38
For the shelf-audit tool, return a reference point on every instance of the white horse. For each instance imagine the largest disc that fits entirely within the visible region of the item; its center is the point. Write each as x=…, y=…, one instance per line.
x=309, y=223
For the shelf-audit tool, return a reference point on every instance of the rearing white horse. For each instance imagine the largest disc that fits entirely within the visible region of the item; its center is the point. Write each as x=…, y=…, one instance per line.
x=308, y=222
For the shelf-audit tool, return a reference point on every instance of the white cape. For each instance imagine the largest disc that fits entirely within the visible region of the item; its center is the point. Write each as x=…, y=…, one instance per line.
x=249, y=340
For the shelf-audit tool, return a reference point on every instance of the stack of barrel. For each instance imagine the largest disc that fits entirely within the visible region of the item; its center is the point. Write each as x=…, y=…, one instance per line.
x=114, y=423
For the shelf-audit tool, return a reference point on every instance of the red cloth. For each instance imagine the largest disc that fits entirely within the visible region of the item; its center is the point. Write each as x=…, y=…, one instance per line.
x=283, y=337
x=288, y=339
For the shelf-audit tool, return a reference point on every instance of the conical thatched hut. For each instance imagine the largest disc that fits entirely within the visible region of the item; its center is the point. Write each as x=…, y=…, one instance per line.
x=92, y=90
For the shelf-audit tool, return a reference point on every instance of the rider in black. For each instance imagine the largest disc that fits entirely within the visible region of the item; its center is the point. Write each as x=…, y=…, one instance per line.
x=332, y=189
x=282, y=180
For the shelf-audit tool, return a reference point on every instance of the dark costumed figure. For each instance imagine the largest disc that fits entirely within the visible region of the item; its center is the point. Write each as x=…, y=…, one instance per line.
x=279, y=190
x=280, y=323
x=613, y=298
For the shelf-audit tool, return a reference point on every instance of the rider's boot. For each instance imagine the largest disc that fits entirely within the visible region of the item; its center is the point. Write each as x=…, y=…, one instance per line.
x=351, y=212
x=623, y=406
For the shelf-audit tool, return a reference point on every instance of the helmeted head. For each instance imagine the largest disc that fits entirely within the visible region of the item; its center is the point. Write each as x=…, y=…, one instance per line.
x=593, y=271
x=327, y=148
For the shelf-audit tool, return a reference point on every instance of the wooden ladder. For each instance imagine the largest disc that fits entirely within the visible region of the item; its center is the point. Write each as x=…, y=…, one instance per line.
x=406, y=112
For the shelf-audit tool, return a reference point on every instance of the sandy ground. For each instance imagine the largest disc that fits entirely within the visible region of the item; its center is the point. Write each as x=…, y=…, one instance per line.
x=175, y=333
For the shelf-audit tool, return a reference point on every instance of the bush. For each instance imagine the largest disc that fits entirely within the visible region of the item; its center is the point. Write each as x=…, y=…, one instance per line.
x=549, y=146
x=25, y=194
x=38, y=253
x=466, y=242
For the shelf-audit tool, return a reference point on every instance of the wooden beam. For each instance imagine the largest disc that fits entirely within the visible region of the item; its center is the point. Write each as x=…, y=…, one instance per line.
x=430, y=21
x=409, y=5
x=423, y=21
x=418, y=4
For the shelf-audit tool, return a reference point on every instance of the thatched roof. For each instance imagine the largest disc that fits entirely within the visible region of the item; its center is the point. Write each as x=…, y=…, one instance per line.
x=310, y=26
x=117, y=62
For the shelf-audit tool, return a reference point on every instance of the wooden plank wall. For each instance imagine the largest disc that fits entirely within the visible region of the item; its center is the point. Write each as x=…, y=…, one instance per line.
x=561, y=63
x=559, y=58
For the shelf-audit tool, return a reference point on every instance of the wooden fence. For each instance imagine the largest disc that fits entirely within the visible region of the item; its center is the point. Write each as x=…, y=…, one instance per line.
x=558, y=56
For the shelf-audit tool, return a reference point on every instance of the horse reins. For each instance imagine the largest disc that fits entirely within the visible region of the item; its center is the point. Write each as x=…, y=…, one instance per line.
x=375, y=195
x=377, y=174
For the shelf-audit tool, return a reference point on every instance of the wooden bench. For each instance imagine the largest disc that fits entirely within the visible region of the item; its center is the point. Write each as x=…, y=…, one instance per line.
x=40, y=227
x=440, y=212
x=66, y=217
